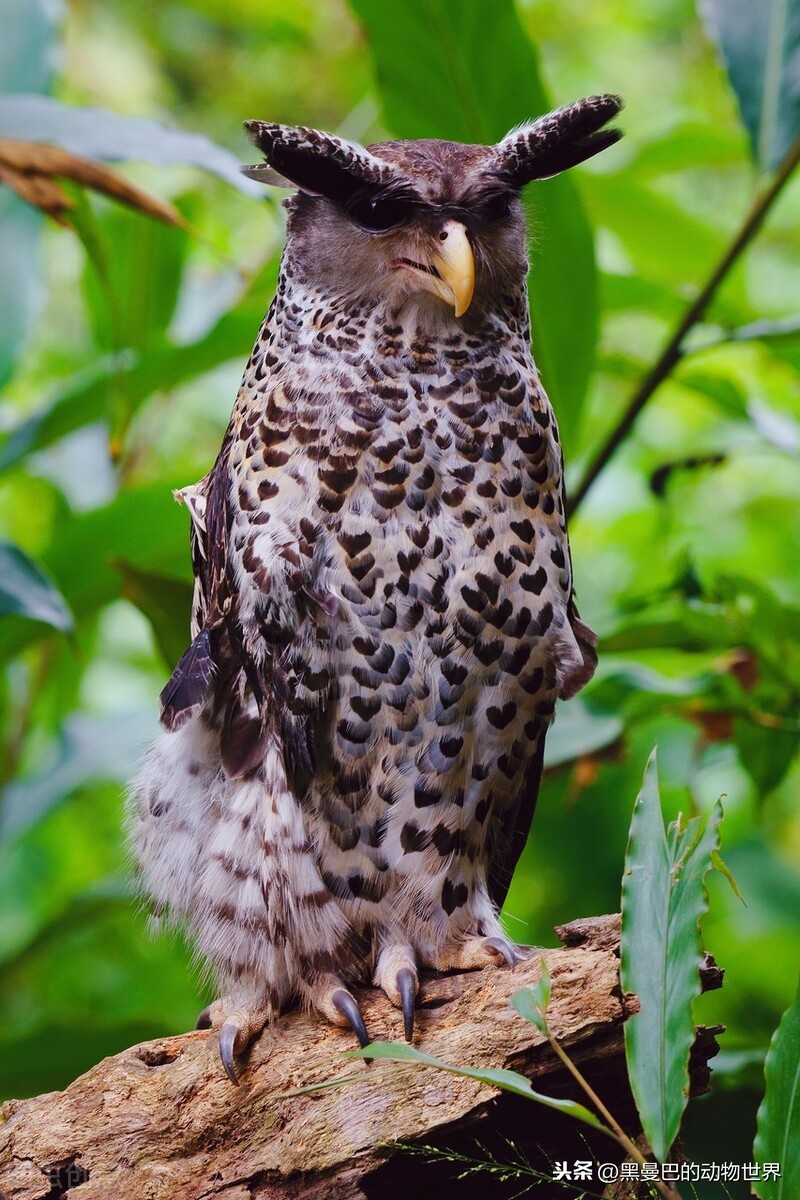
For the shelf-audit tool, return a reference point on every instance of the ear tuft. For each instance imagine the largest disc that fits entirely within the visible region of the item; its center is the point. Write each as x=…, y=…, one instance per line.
x=318, y=163
x=558, y=141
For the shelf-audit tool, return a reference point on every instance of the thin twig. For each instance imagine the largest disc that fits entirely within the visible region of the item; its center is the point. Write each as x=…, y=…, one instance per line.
x=615, y=1128
x=672, y=351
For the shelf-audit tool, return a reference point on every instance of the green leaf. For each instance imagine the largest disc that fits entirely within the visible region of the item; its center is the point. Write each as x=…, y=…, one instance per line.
x=430, y=59
x=531, y=1002
x=778, y=1126
x=20, y=283
x=27, y=47
x=83, y=399
x=687, y=145
x=88, y=748
x=132, y=279
x=133, y=283
x=760, y=44
x=670, y=623
x=507, y=1081
x=26, y=591
x=167, y=604
x=579, y=730
x=719, y=864
x=766, y=754
x=98, y=134
x=143, y=526
x=638, y=214
x=146, y=529
x=663, y=900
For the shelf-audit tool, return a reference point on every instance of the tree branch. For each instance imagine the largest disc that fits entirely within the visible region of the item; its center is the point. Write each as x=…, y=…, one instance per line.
x=161, y=1120
x=671, y=353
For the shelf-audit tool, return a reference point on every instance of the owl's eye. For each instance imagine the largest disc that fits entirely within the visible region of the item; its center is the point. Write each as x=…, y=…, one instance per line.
x=497, y=208
x=378, y=215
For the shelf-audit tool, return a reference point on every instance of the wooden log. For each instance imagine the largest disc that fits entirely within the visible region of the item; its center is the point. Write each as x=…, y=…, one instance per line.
x=162, y=1122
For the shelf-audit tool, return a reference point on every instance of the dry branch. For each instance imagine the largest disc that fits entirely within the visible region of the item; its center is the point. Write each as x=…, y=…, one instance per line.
x=161, y=1121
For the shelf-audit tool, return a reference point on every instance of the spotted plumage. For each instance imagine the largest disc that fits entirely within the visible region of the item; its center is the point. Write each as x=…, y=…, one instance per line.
x=384, y=614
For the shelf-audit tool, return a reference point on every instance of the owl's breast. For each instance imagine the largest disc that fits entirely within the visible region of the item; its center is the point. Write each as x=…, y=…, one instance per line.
x=449, y=561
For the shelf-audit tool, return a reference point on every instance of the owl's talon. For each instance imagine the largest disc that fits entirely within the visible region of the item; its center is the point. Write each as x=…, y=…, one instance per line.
x=503, y=949
x=406, y=982
x=347, y=1005
x=227, y=1049
x=204, y=1018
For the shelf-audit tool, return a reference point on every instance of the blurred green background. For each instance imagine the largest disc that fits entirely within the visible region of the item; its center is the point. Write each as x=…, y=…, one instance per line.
x=120, y=358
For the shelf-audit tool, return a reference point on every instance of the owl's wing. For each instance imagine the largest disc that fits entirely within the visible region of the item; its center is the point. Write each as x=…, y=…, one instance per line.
x=575, y=666
x=238, y=664
x=510, y=839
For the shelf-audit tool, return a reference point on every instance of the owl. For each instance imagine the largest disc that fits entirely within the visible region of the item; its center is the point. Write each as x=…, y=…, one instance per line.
x=384, y=614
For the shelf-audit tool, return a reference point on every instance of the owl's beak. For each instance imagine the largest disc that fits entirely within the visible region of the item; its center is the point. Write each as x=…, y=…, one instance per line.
x=454, y=281
x=450, y=273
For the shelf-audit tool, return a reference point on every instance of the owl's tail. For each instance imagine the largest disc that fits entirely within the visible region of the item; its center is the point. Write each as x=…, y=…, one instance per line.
x=231, y=860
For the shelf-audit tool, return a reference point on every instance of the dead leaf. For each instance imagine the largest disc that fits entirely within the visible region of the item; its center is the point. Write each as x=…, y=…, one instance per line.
x=30, y=167
x=40, y=191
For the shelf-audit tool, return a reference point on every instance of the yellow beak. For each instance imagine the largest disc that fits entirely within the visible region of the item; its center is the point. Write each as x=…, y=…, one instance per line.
x=455, y=279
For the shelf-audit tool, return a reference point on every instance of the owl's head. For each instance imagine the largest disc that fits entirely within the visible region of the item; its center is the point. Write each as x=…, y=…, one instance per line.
x=417, y=220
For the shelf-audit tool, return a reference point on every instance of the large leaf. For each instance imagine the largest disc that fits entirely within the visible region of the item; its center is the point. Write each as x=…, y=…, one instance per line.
x=133, y=282
x=665, y=243
x=143, y=526
x=507, y=1081
x=83, y=399
x=20, y=285
x=27, y=56
x=88, y=748
x=27, y=47
x=760, y=43
x=437, y=64
x=167, y=604
x=579, y=730
x=766, y=752
x=25, y=590
x=663, y=899
x=97, y=133
x=778, y=1135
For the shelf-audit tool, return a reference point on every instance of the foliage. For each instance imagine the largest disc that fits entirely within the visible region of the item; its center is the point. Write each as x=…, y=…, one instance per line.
x=119, y=370
x=779, y=1114
x=761, y=47
x=26, y=590
x=663, y=900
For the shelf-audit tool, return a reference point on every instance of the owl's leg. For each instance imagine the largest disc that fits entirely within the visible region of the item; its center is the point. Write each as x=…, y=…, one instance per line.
x=396, y=974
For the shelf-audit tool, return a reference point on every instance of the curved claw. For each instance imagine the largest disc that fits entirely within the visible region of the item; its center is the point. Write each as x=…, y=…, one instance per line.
x=503, y=948
x=204, y=1018
x=407, y=987
x=348, y=1007
x=227, y=1049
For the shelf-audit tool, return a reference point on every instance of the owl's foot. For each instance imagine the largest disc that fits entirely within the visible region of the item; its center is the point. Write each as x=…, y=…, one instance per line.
x=396, y=973
x=238, y=1024
x=475, y=953
x=330, y=997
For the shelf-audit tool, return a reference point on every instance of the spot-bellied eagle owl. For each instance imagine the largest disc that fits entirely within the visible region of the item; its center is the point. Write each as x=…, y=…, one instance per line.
x=384, y=614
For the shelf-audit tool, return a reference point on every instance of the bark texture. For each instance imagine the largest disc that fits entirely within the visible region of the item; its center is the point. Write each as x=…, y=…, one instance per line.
x=160, y=1121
